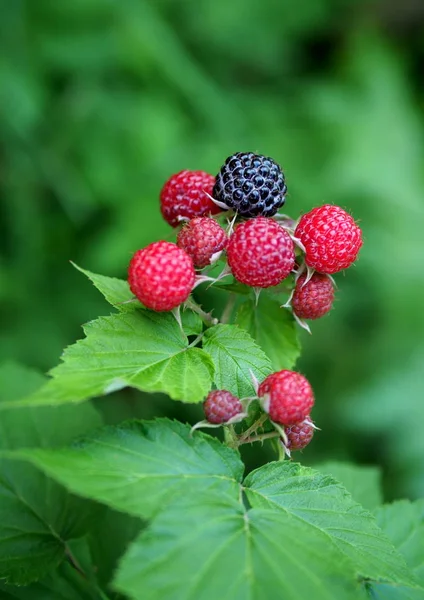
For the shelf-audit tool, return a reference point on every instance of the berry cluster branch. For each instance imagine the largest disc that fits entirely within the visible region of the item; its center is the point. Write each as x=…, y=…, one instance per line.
x=260, y=249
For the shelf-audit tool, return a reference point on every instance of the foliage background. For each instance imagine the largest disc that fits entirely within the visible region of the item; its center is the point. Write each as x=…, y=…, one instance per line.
x=100, y=101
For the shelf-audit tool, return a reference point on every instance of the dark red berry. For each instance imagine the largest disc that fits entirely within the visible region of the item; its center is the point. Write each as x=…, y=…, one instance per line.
x=220, y=406
x=313, y=299
x=299, y=436
x=201, y=238
x=186, y=195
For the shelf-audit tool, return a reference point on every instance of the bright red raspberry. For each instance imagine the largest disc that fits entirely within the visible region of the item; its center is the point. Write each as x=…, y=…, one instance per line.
x=201, y=238
x=290, y=397
x=220, y=406
x=260, y=253
x=313, y=299
x=299, y=436
x=331, y=238
x=161, y=276
x=184, y=196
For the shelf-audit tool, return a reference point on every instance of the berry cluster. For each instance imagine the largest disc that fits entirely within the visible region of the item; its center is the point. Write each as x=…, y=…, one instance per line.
x=262, y=249
x=286, y=398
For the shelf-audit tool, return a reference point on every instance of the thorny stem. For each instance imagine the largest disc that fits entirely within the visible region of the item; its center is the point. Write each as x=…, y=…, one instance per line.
x=228, y=309
x=206, y=317
x=258, y=438
x=253, y=428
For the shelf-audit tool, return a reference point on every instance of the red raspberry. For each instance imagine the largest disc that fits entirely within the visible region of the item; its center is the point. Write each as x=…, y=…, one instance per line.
x=201, y=238
x=290, y=397
x=260, y=253
x=184, y=195
x=331, y=238
x=220, y=406
x=299, y=436
x=161, y=276
x=314, y=299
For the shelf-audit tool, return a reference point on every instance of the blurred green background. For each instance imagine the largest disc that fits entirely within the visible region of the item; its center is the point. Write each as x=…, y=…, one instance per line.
x=101, y=100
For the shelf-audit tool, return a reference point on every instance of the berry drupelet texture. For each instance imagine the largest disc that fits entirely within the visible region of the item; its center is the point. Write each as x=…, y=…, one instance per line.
x=220, y=406
x=313, y=299
x=186, y=195
x=288, y=397
x=260, y=253
x=331, y=238
x=201, y=238
x=299, y=436
x=251, y=184
x=161, y=276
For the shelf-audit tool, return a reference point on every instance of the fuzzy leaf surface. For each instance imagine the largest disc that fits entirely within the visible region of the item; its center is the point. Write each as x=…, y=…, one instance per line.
x=403, y=522
x=139, y=467
x=116, y=291
x=37, y=515
x=212, y=547
x=143, y=349
x=273, y=328
x=325, y=505
x=235, y=353
x=363, y=482
x=63, y=584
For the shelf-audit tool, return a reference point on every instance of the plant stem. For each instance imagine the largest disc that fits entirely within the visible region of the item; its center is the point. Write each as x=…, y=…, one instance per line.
x=207, y=318
x=258, y=438
x=230, y=437
x=228, y=309
x=253, y=428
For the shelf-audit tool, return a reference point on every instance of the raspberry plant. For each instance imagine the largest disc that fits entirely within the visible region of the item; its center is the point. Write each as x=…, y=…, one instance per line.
x=161, y=509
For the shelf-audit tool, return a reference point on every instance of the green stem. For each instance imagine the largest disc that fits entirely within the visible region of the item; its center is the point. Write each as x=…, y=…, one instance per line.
x=258, y=438
x=230, y=436
x=253, y=428
x=228, y=309
x=207, y=318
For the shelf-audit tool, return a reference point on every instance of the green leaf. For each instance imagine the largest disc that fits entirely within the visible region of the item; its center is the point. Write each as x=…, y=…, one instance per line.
x=139, y=467
x=116, y=291
x=17, y=381
x=235, y=354
x=37, y=516
x=403, y=522
x=145, y=350
x=326, y=506
x=63, y=584
x=273, y=328
x=363, y=482
x=212, y=547
x=108, y=540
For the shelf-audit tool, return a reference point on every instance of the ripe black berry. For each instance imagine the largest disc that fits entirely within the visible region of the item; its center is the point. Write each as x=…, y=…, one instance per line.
x=251, y=184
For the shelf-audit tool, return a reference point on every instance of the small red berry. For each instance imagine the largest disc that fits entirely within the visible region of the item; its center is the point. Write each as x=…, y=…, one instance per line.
x=185, y=195
x=260, y=253
x=290, y=397
x=201, y=238
x=313, y=299
x=220, y=406
x=331, y=238
x=161, y=276
x=299, y=436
